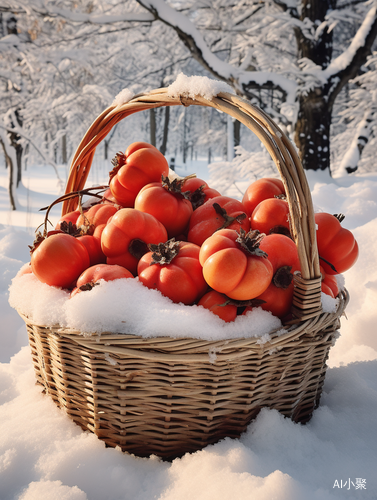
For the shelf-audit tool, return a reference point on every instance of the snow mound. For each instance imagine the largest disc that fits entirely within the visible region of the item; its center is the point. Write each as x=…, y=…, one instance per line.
x=193, y=86
x=127, y=306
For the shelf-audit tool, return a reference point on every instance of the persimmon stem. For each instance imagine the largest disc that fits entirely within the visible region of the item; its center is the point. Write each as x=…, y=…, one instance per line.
x=250, y=242
x=283, y=277
x=67, y=196
x=340, y=217
x=164, y=253
x=329, y=264
x=175, y=186
x=228, y=219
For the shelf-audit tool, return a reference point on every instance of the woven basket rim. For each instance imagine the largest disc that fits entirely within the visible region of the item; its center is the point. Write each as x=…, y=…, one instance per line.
x=105, y=340
x=307, y=296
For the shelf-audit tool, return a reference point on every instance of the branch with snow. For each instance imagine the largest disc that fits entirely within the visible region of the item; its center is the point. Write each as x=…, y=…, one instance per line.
x=80, y=17
x=346, y=66
x=240, y=80
x=352, y=156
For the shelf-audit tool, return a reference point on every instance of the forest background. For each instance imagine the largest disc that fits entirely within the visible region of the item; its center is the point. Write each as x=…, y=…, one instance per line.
x=310, y=64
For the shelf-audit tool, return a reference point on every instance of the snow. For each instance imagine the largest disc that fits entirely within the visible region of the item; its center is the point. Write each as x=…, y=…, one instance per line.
x=123, y=97
x=44, y=455
x=107, y=306
x=192, y=86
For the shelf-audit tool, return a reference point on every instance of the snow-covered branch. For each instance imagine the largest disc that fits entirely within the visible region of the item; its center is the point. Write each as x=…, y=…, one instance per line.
x=81, y=17
x=352, y=156
x=240, y=80
x=346, y=66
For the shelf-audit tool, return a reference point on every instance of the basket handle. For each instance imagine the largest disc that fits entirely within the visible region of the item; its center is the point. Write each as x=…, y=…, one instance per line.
x=307, y=302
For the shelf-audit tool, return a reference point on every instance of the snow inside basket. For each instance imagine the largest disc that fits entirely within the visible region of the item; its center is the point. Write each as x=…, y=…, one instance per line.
x=153, y=377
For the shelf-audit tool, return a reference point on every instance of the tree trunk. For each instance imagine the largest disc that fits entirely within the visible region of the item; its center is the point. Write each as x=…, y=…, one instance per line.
x=19, y=151
x=312, y=131
x=166, y=130
x=184, y=147
x=152, y=117
x=230, y=138
x=317, y=49
x=64, y=150
x=11, y=171
x=237, y=132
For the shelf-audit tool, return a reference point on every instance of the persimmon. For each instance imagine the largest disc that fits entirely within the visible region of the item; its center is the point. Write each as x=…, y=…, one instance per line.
x=234, y=265
x=221, y=212
x=125, y=238
x=174, y=269
x=220, y=305
x=261, y=189
x=166, y=202
x=337, y=247
x=141, y=164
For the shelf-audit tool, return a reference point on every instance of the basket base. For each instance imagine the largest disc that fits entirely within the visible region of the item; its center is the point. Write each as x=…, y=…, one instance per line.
x=166, y=409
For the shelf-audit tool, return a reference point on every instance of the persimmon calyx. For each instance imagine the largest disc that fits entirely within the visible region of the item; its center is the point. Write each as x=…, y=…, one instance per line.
x=281, y=230
x=340, y=217
x=244, y=303
x=39, y=237
x=250, y=242
x=118, y=161
x=164, y=253
x=73, y=230
x=175, y=186
x=197, y=197
x=283, y=277
x=138, y=248
x=88, y=286
x=228, y=219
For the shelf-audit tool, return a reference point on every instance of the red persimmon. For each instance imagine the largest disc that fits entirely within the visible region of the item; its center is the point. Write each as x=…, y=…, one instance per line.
x=221, y=212
x=96, y=215
x=166, y=204
x=93, y=246
x=337, y=247
x=220, y=305
x=234, y=265
x=259, y=190
x=125, y=238
x=91, y=276
x=271, y=216
x=283, y=255
x=69, y=217
x=174, y=269
x=199, y=191
x=59, y=260
x=141, y=164
x=329, y=283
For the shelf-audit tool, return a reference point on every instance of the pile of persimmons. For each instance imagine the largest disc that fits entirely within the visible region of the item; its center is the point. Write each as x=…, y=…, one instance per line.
x=186, y=240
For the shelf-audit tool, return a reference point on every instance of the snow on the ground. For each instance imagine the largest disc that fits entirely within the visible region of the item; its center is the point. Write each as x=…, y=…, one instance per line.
x=43, y=455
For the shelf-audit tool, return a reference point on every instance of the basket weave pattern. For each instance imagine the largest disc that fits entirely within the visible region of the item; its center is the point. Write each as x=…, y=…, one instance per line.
x=169, y=396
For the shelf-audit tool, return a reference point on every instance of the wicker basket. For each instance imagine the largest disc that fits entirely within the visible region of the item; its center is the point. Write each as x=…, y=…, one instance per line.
x=167, y=396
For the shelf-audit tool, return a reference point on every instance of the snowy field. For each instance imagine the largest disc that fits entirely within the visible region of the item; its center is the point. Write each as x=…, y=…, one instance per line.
x=43, y=455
